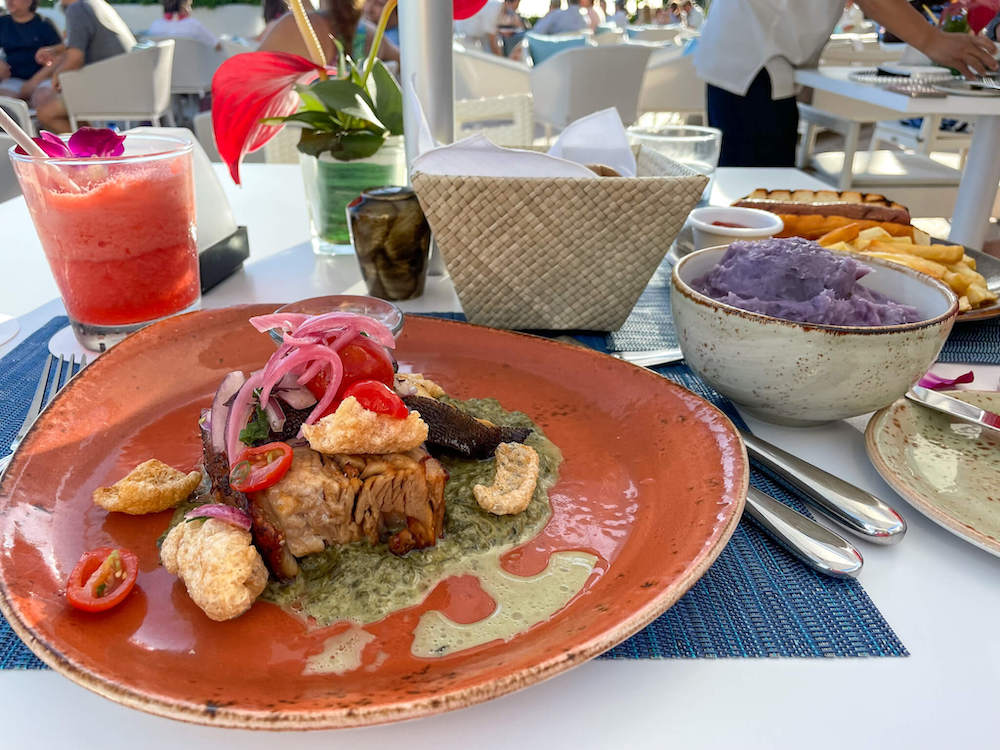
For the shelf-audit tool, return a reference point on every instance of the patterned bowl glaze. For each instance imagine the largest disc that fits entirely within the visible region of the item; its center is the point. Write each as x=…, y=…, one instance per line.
x=799, y=373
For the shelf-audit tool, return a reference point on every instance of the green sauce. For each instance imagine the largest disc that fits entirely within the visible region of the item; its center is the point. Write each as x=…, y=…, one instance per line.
x=364, y=583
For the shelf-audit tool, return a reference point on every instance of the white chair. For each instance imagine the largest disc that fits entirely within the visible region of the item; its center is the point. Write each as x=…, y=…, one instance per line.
x=926, y=139
x=656, y=33
x=609, y=37
x=18, y=110
x=672, y=85
x=9, y=187
x=236, y=19
x=232, y=46
x=482, y=74
x=133, y=86
x=194, y=65
x=505, y=120
x=577, y=82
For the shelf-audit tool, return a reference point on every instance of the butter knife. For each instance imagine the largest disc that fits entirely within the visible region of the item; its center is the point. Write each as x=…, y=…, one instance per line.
x=815, y=545
x=954, y=408
x=852, y=508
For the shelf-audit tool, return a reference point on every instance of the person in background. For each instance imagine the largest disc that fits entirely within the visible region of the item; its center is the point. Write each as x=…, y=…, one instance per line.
x=674, y=15
x=273, y=11
x=594, y=17
x=178, y=23
x=22, y=33
x=749, y=50
x=364, y=36
x=336, y=19
x=510, y=31
x=94, y=32
x=692, y=14
x=620, y=17
x=563, y=21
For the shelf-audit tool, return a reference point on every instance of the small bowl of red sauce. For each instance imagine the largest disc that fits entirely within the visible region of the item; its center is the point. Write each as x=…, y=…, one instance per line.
x=720, y=225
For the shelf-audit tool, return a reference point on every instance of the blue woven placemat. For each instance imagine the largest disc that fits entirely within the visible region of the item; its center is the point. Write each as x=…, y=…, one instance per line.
x=756, y=600
x=650, y=325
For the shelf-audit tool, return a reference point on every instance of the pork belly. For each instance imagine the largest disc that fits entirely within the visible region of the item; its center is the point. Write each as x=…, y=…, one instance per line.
x=396, y=498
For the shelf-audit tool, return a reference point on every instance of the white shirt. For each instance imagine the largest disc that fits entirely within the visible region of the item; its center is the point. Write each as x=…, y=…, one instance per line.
x=562, y=21
x=695, y=17
x=182, y=28
x=740, y=37
x=620, y=19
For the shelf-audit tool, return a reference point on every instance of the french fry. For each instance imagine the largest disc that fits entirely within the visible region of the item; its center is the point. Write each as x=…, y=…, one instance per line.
x=874, y=233
x=921, y=237
x=970, y=262
x=956, y=281
x=963, y=304
x=944, y=254
x=841, y=247
x=845, y=233
x=979, y=294
x=917, y=264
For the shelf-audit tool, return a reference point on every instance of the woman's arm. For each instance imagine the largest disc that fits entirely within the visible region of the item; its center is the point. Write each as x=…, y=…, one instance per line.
x=971, y=55
x=29, y=86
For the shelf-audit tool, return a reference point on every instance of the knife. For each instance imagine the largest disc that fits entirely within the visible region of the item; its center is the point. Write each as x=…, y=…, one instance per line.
x=815, y=545
x=851, y=507
x=954, y=408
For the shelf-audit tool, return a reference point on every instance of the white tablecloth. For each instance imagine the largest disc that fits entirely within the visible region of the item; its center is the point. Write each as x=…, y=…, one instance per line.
x=940, y=594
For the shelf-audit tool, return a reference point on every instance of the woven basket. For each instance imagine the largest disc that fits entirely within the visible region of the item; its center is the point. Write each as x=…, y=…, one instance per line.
x=557, y=253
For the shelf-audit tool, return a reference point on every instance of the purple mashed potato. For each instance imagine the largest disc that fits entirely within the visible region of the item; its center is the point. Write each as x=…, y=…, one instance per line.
x=797, y=279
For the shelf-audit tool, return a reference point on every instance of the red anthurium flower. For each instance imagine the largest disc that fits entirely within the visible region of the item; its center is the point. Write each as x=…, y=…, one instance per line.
x=96, y=142
x=248, y=88
x=465, y=8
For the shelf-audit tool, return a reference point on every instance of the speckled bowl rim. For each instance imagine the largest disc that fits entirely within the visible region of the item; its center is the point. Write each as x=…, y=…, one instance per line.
x=909, y=493
x=343, y=718
x=684, y=288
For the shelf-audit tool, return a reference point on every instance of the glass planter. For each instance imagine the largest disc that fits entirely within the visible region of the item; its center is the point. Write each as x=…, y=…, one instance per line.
x=332, y=184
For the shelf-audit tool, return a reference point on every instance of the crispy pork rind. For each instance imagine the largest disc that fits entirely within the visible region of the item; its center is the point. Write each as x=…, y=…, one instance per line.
x=354, y=429
x=220, y=567
x=415, y=384
x=514, y=484
x=150, y=487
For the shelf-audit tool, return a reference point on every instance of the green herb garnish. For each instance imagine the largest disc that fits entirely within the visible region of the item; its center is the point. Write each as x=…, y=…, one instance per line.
x=257, y=430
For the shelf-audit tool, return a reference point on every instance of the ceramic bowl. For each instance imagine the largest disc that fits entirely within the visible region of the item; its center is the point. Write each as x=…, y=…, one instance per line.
x=754, y=225
x=799, y=373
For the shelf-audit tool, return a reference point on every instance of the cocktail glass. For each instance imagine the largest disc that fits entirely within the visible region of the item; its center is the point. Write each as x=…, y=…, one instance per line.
x=118, y=233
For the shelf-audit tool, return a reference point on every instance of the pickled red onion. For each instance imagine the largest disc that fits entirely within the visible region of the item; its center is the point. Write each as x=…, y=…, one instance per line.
x=239, y=415
x=218, y=511
x=932, y=381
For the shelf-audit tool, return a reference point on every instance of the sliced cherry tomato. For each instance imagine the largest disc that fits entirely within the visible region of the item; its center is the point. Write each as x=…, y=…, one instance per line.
x=258, y=468
x=363, y=359
x=377, y=397
x=102, y=579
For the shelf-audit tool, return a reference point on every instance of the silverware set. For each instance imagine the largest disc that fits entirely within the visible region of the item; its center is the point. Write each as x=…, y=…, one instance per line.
x=44, y=394
x=850, y=508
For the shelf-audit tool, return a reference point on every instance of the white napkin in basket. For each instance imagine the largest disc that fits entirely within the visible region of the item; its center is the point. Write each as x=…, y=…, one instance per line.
x=598, y=138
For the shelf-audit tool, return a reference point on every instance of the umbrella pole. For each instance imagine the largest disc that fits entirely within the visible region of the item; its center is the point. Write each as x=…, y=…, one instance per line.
x=425, y=33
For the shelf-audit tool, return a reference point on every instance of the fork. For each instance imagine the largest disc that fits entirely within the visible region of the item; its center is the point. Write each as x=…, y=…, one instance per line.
x=43, y=395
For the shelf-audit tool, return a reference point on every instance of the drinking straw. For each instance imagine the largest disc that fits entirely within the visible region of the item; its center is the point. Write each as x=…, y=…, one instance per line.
x=20, y=137
x=930, y=14
x=31, y=148
x=307, y=33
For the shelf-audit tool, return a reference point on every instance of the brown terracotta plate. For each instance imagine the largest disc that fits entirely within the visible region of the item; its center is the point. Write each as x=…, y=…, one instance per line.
x=652, y=484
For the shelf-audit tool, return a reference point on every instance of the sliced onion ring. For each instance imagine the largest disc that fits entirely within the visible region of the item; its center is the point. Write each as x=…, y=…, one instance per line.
x=218, y=511
x=932, y=381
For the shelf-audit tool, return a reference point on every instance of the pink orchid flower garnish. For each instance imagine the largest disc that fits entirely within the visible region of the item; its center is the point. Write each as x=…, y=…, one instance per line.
x=248, y=88
x=85, y=142
x=935, y=382
x=96, y=142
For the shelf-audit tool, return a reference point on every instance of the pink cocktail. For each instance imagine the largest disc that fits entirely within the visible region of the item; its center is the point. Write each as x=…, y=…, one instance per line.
x=118, y=233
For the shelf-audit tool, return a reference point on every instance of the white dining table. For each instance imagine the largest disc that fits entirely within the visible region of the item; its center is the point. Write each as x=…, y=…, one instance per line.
x=981, y=175
x=940, y=594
